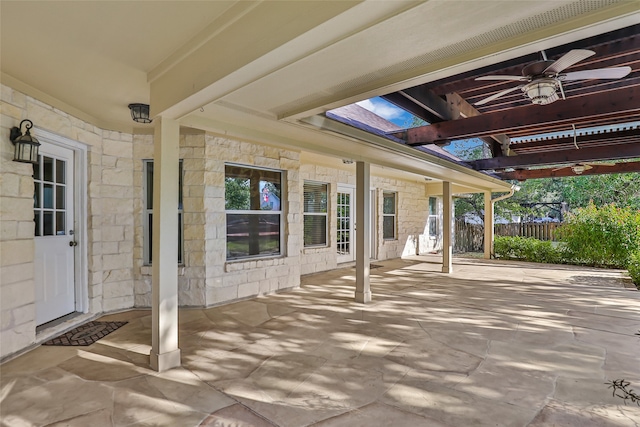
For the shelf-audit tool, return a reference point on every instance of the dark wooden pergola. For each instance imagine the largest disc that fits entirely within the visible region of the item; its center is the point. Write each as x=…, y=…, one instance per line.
x=512, y=126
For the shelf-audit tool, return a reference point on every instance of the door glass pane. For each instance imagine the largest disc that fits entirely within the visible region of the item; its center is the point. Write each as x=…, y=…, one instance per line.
x=60, y=169
x=48, y=223
x=36, y=219
x=60, y=197
x=48, y=196
x=36, y=196
x=344, y=216
x=60, y=224
x=48, y=168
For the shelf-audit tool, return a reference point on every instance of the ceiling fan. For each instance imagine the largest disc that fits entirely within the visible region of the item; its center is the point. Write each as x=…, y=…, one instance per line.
x=580, y=168
x=542, y=79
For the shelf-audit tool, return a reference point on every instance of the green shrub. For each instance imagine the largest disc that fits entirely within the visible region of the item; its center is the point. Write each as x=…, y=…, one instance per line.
x=601, y=236
x=527, y=249
x=633, y=267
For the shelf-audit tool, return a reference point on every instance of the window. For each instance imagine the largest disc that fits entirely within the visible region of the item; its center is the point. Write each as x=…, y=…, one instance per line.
x=315, y=213
x=388, y=215
x=254, y=213
x=148, y=212
x=433, y=217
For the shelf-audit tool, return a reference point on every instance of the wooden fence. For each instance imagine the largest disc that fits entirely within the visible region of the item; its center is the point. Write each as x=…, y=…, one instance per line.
x=540, y=231
x=470, y=237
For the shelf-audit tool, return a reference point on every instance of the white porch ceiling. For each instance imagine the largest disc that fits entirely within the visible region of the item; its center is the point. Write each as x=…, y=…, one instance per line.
x=256, y=67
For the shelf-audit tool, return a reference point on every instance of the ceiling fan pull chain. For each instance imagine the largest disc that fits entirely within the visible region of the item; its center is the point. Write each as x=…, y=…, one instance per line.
x=575, y=137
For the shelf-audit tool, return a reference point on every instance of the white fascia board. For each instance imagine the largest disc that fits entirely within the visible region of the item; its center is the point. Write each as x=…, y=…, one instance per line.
x=409, y=159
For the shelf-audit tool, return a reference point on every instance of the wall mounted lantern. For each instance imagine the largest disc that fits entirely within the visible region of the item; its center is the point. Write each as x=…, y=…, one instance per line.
x=26, y=146
x=140, y=113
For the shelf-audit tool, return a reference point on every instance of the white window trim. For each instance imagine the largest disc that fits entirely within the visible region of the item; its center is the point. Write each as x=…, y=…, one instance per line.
x=325, y=214
x=394, y=215
x=281, y=212
x=145, y=219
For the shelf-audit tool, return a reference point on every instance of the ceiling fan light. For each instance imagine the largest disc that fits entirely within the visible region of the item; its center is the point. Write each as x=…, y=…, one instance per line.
x=542, y=92
x=578, y=169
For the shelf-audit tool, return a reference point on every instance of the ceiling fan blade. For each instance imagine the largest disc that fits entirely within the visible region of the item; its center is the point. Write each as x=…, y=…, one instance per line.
x=510, y=78
x=567, y=60
x=496, y=95
x=598, y=73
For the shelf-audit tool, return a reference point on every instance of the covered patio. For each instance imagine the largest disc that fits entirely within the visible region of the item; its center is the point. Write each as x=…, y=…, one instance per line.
x=493, y=343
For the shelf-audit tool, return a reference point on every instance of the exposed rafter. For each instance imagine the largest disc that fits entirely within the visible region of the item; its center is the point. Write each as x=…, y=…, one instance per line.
x=461, y=108
x=613, y=104
x=618, y=151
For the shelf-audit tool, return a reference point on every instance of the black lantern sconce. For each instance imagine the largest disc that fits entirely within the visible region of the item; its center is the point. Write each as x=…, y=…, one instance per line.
x=140, y=113
x=26, y=146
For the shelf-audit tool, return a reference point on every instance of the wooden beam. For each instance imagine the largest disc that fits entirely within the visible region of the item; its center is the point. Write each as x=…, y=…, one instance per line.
x=430, y=101
x=460, y=107
x=617, y=103
x=608, y=152
x=522, y=175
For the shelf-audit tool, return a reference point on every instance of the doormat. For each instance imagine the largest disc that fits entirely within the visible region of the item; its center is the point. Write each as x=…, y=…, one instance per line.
x=86, y=334
x=372, y=266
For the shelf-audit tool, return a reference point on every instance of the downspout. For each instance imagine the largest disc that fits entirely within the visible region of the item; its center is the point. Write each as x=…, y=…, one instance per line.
x=511, y=192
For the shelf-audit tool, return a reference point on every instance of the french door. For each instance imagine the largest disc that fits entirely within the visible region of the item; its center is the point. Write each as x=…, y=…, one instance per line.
x=345, y=224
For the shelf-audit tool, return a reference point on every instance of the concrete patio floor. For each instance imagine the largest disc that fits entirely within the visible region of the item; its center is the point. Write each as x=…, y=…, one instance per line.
x=493, y=344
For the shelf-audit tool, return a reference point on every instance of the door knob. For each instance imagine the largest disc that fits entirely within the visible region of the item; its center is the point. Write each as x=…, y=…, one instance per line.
x=73, y=243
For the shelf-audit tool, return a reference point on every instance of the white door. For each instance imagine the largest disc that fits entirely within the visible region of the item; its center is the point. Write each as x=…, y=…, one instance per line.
x=55, y=242
x=345, y=228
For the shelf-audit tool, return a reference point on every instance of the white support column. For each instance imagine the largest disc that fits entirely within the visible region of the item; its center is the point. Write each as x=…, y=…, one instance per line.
x=488, y=225
x=165, y=353
x=363, y=224
x=447, y=219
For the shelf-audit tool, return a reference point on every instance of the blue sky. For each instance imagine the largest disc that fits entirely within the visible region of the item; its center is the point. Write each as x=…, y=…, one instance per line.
x=387, y=111
x=402, y=118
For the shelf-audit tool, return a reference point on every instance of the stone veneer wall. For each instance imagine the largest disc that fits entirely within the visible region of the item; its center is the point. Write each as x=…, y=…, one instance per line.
x=191, y=279
x=207, y=278
x=226, y=281
x=117, y=278
x=412, y=217
x=109, y=217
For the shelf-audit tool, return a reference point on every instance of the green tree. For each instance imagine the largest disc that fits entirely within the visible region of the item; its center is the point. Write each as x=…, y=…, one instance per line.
x=578, y=191
x=474, y=149
x=237, y=193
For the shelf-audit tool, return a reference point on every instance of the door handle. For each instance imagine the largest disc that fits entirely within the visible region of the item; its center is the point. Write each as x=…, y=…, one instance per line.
x=73, y=243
